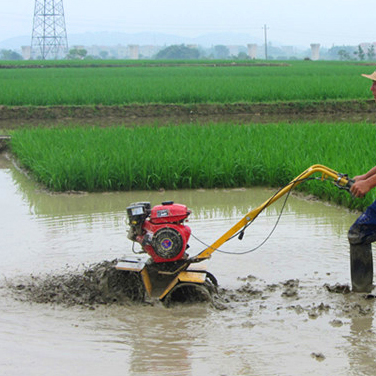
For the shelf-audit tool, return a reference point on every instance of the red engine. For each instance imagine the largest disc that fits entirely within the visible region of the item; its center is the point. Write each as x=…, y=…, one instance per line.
x=160, y=230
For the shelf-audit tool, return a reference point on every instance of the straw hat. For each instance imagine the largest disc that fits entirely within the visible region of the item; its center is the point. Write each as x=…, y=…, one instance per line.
x=370, y=76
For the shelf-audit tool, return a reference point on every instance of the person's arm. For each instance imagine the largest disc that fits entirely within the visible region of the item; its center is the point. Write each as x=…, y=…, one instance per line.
x=367, y=175
x=364, y=183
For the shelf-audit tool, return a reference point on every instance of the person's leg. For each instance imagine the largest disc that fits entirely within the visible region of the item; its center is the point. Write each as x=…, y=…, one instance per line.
x=361, y=234
x=361, y=265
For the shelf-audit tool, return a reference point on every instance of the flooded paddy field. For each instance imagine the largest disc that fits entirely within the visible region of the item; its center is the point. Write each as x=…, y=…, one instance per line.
x=284, y=309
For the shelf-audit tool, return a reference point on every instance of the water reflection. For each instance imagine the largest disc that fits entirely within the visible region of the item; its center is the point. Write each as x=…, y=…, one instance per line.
x=82, y=228
x=161, y=348
x=78, y=228
x=205, y=204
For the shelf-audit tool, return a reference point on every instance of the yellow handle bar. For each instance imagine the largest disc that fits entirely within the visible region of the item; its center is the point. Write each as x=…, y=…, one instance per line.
x=340, y=180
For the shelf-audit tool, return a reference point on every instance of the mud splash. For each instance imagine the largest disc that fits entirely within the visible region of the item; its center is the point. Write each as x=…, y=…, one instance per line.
x=98, y=284
x=102, y=284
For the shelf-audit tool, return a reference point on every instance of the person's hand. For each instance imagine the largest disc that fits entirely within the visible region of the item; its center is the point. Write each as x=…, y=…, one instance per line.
x=359, y=177
x=360, y=188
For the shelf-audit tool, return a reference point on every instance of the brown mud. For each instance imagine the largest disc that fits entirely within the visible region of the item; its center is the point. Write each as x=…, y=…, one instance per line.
x=97, y=284
x=3, y=142
x=101, y=284
x=12, y=117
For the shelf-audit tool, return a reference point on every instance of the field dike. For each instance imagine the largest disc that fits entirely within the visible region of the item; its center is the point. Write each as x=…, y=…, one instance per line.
x=137, y=114
x=102, y=284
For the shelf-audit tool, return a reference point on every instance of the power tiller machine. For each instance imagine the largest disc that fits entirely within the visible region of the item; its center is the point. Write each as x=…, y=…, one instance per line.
x=169, y=273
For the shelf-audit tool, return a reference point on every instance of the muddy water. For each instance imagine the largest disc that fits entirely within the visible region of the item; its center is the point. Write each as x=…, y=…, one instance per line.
x=283, y=308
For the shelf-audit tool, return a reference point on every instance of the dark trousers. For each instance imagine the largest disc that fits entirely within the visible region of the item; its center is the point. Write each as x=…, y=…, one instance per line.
x=361, y=234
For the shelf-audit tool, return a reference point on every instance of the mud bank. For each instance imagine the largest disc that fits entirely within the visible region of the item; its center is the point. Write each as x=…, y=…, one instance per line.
x=3, y=142
x=17, y=116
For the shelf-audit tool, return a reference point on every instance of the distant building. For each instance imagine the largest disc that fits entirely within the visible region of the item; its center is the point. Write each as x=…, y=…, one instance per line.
x=233, y=50
x=288, y=50
x=133, y=51
x=149, y=51
x=26, y=52
x=315, y=51
x=252, y=51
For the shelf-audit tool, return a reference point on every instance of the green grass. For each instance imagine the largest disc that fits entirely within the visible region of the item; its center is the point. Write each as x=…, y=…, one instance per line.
x=195, y=156
x=181, y=84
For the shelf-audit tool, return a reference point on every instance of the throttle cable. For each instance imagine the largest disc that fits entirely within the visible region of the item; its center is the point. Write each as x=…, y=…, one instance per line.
x=240, y=233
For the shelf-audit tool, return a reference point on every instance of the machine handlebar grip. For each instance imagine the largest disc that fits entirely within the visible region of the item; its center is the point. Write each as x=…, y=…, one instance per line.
x=347, y=186
x=350, y=184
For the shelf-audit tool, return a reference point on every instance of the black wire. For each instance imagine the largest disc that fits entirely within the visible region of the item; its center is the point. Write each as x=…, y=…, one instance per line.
x=250, y=222
x=136, y=252
x=253, y=249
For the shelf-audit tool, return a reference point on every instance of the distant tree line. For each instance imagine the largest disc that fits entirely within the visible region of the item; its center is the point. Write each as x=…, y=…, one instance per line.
x=183, y=52
x=77, y=54
x=348, y=53
x=178, y=52
x=186, y=52
x=10, y=55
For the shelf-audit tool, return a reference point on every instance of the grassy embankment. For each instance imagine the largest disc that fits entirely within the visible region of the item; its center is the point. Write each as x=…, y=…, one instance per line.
x=193, y=156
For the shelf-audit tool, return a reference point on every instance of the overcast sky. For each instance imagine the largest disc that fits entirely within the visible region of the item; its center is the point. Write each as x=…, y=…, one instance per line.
x=289, y=22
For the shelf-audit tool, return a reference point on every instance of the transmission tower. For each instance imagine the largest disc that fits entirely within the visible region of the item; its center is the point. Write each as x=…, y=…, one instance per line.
x=49, y=38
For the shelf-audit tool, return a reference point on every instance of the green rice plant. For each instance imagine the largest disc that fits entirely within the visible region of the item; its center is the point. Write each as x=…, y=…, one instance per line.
x=195, y=156
x=182, y=84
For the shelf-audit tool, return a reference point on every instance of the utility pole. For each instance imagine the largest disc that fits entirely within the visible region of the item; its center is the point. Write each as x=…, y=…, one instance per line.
x=266, y=42
x=49, y=37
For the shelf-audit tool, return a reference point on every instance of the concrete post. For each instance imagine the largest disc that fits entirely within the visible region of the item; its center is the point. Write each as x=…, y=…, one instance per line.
x=133, y=51
x=252, y=51
x=26, y=52
x=315, y=51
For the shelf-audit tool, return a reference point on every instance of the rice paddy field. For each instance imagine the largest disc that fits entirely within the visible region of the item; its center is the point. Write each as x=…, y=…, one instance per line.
x=180, y=156
x=289, y=300
x=194, y=156
x=107, y=83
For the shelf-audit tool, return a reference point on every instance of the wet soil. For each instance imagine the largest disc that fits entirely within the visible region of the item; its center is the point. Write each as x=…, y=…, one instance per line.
x=97, y=284
x=101, y=284
x=136, y=114
x=3, y=142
